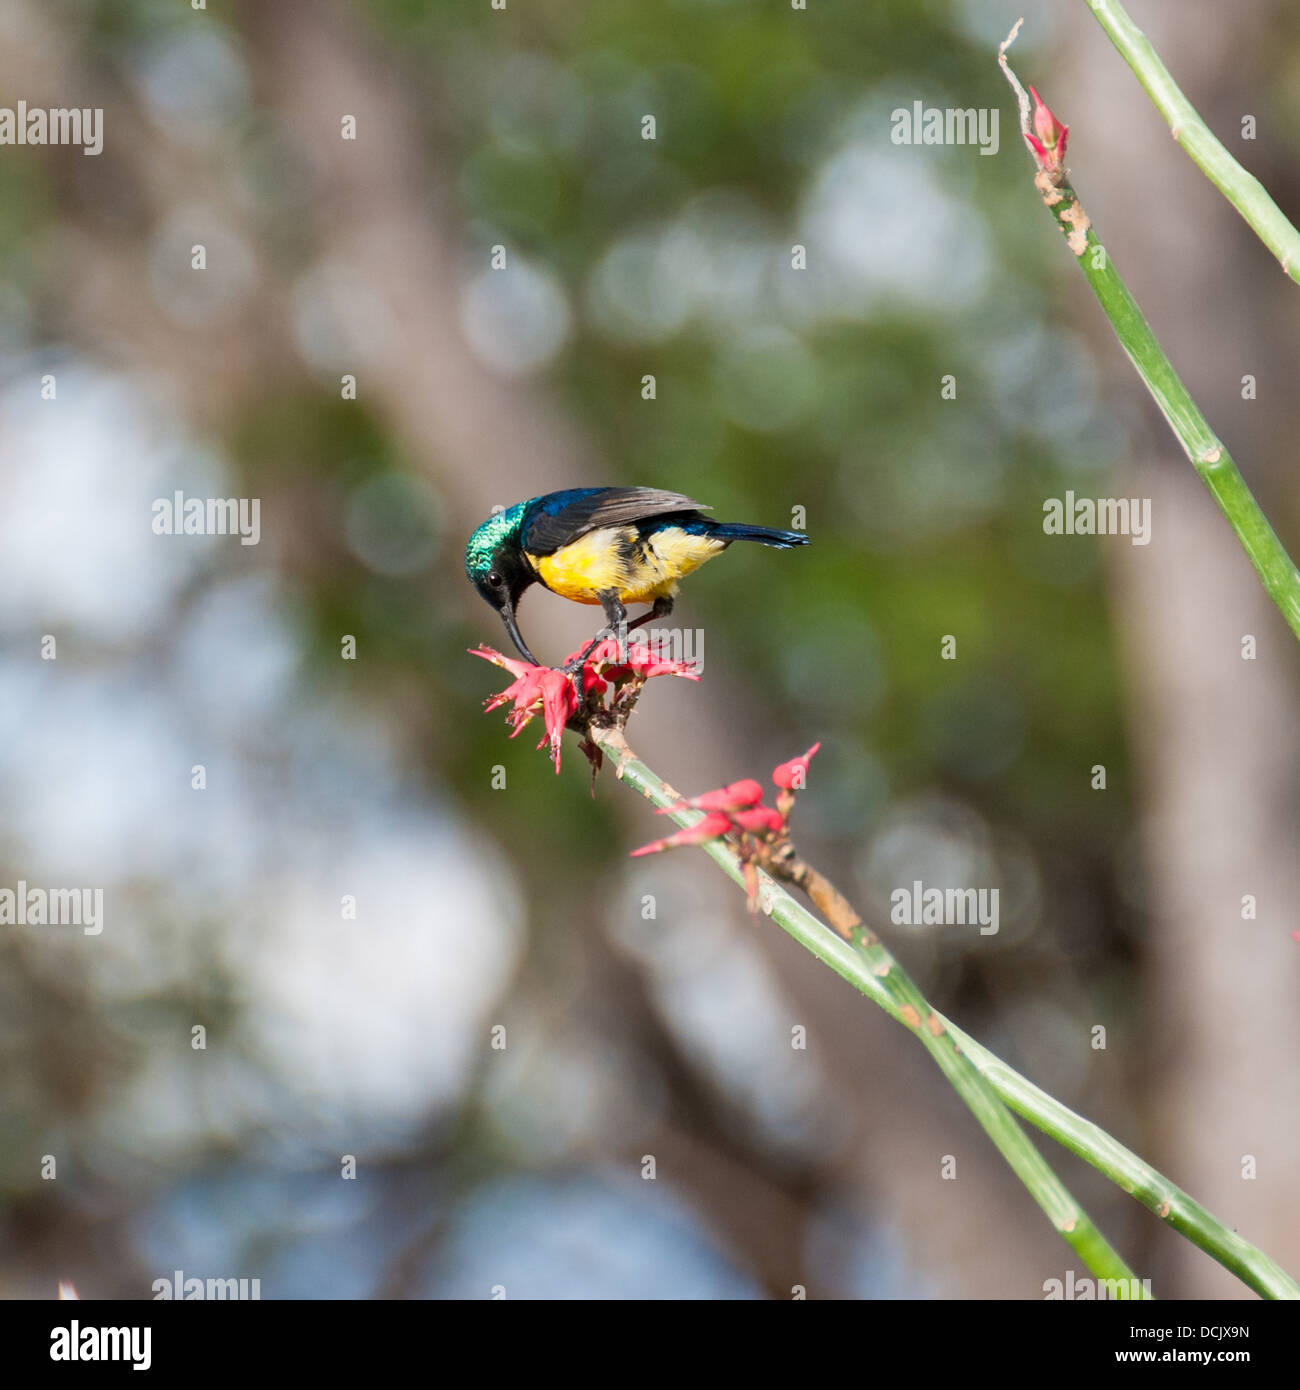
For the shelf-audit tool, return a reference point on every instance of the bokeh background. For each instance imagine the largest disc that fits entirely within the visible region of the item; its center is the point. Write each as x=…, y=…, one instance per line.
x=516, y=908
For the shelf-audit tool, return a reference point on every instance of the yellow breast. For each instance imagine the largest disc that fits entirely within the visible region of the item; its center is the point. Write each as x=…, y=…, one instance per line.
x=616, y=558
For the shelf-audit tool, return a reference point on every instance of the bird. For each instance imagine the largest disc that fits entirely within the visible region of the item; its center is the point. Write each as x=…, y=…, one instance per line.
x=610, y=546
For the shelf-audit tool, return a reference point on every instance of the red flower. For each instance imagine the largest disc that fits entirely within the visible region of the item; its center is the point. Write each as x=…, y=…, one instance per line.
x=559, y=696
x=534, y=688
x=793, y=776
x=600, y=655
x=641, y=661
x=1049, y=144
x=708, y=827
x=516, y=668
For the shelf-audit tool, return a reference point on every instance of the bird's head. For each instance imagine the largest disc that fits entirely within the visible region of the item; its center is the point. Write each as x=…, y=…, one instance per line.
x=495, y=564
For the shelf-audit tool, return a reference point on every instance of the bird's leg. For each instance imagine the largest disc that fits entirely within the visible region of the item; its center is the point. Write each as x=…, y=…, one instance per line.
x=660, y=609
x=615, y=626
x=615, y=621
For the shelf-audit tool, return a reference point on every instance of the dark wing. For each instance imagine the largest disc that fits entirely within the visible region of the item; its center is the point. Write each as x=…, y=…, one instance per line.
x=561, y=517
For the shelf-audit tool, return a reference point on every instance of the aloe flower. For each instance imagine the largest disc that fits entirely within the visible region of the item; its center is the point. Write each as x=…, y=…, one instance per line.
x=534, y=688
x=559, y=692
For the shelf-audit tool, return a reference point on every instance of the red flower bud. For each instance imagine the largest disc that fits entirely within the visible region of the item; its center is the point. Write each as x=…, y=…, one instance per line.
x=708, y=827
x=759, y=820
x=733, y=798
x=1049, y=144
x=793, y=776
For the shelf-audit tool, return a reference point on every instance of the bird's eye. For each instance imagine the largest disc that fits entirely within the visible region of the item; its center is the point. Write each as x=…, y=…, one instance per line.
x=495, y=580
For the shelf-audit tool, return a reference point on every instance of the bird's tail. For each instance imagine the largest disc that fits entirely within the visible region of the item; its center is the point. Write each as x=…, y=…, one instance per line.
x=764, y=535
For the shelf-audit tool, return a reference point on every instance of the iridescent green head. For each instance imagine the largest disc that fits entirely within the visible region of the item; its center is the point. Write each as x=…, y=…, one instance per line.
x=495, y=564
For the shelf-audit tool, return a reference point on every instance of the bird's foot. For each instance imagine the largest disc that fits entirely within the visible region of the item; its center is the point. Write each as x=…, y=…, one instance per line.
x=619, y=635
x=575, y=664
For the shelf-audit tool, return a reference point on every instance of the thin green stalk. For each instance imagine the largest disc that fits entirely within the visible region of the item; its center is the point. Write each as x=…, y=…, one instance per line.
x=1137, y=1177
x=1276, y=569
x=1088, y=1141
x=882, y=979
x=1243, y=190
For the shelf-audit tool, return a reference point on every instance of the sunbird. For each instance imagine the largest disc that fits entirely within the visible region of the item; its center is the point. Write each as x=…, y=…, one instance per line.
x=601, y=545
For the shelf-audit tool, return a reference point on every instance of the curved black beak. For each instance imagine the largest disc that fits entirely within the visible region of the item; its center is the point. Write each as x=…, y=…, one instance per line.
x=517, y=637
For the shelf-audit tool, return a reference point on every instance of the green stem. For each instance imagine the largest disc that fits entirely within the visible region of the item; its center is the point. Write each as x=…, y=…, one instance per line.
x=861, y=964
x=1276, y=569
x=879, y=976
x=1243, y=190
x=1137, y=1177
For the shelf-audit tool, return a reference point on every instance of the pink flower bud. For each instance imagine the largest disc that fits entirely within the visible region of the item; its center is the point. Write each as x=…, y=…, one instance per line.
x=759, y=820
x=793, y=776
x=1049, y=144
x=708, y=827
x=733, y=798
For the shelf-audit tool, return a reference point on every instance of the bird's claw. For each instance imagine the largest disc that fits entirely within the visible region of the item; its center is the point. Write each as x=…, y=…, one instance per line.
x=619, y=635
x=574, y=665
